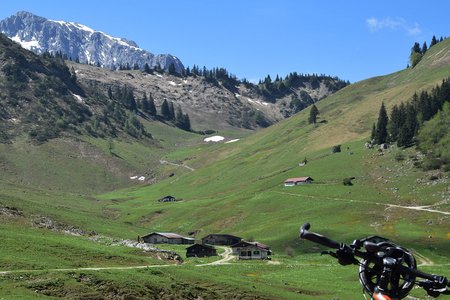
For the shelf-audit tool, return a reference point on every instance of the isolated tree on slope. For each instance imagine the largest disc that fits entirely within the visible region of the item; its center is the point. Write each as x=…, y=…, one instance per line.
x=313, y=114
x=381, y=129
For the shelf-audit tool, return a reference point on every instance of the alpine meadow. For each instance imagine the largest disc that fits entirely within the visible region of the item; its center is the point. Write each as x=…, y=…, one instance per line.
x=128, y=175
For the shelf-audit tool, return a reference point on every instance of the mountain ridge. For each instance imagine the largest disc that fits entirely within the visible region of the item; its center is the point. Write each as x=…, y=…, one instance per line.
x=80, y=42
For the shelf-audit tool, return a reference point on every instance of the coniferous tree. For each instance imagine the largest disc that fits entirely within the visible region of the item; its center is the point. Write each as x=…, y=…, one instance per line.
x=110, y=94
x=373, y=133
x=171, y=111
x=416, y=55
x=151, y=106
x=409, y=128
x=165, y=110
x=313, y=114
x=381, y=134
x=172, y=70
x=144, y=103
x=433, y=41
x=424, y=48
x=147, y=68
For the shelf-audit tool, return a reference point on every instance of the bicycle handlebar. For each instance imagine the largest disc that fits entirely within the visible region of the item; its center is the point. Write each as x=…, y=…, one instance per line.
x=433, y=284
x=317, y=238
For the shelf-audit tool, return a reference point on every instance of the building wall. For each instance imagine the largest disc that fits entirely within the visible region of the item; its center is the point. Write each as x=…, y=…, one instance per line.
x=250, y=252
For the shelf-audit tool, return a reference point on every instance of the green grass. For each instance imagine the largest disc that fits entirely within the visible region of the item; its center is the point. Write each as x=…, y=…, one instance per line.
x=237, y=189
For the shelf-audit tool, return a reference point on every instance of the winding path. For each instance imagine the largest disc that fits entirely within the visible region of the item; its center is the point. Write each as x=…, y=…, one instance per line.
x=388, y=205
x=226, y=258
x=161, y=161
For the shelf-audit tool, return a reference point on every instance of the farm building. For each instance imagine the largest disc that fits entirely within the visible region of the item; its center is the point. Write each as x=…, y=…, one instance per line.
x=200, y=250
x=221, y=239
x=251, y=250
x=166, y=238
x=298, y=181
x=167, y=199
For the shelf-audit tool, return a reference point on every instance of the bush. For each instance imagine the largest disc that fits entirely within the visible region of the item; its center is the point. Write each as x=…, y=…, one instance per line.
x=336, y=149
x=431, y=164
x=399, y=156
x=348, y=181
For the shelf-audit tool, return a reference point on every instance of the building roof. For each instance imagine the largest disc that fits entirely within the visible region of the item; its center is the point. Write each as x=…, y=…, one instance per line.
x=170, y=235
x=222, y=235
x=202, y=246
x=299, y=179
x=254, y=244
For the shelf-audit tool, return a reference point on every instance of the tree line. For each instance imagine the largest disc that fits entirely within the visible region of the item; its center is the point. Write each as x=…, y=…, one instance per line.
x=405, y=120
x=417, y=52
x=146, y=105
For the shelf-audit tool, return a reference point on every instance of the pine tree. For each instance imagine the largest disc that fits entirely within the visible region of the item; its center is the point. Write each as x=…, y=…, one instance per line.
x=424, y=48
x=151, y=106
x=381, y=131
x=409, y=128
x=373, y=133
x=147, y=68
x=144, y=103
x=416, y=55
x=165, y=110
x=171, y=111
x=110, y=94
x=433, y=41
x=172, y=70
x=398, y=116
x=313, y=114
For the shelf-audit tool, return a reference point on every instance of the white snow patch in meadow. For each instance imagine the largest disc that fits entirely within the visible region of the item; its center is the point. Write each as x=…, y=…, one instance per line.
x=215, y=138
x=133, y=177
x=142, y=178
x=237, y=95
x=172, y=82
x=159, y=75
x=232, y=141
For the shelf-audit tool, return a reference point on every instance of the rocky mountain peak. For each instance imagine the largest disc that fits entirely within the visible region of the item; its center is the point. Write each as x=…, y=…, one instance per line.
x=80, y=42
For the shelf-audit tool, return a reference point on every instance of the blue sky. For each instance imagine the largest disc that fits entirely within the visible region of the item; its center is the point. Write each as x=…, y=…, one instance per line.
x=354, y=40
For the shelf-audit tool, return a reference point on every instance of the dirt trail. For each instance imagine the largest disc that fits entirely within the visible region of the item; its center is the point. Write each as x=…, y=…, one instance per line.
x=226, y=258
x=161, y=161
x=388, y=205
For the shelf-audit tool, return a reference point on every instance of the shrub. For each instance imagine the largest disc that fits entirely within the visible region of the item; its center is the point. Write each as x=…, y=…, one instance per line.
x=399, y=156
x=336, y=149
x=348, y=181
x=431, y=164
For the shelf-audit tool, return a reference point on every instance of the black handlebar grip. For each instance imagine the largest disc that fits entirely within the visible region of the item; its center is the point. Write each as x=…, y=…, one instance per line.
x=317, y=238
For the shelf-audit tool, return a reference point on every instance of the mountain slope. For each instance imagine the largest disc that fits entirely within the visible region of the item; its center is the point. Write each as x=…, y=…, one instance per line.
x=81, y=43
x=242, y=192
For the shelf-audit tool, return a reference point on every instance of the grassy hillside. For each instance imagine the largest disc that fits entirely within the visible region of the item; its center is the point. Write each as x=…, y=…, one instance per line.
x=234, y=188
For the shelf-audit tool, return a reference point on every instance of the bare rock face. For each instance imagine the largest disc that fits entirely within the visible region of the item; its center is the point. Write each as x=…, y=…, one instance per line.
x=81, y=43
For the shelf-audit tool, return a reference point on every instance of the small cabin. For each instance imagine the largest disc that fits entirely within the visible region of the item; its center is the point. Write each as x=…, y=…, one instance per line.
x=221, y=239
x=298, y=181
x=167, y=238
x=200, y=250
x=167, y=198
x=251, y=250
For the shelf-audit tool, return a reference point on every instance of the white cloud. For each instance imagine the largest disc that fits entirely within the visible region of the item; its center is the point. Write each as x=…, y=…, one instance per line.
x=375, y=24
